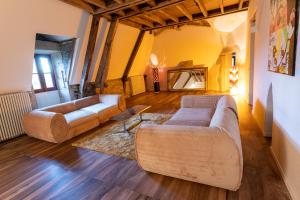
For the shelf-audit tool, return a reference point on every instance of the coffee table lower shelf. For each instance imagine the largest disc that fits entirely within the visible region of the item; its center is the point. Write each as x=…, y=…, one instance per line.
x=129, y=113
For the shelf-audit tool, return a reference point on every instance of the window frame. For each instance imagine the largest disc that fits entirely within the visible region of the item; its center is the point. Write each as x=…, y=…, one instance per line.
x=41, y=76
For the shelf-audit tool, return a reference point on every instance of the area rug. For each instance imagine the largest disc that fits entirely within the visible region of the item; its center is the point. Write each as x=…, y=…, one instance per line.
x=112, y=140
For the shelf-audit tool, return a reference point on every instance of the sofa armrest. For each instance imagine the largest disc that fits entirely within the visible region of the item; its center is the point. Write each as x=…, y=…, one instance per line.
x=200, y=101
x=113, y=99
x=199, y=154
x=44, y=125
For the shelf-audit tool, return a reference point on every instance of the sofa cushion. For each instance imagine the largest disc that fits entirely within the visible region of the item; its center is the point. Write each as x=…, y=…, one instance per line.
x=87, y=101
x=62, y=108
x=191, y=117
x=96, y=108
x=79, y=117
x=227, y=101
x=224, y=118
x=104, y=111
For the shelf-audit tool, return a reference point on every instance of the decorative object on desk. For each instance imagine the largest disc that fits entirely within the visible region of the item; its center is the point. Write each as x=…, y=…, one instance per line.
x=194, y=78
x=283, y=35
x=155, y=72
x=112, y=140
x=234, y=76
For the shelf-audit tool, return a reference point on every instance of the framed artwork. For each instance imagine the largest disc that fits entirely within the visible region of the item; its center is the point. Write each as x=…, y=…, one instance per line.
x=283, y=36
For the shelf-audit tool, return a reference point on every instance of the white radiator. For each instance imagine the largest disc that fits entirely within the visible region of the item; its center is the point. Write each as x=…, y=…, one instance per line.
x=12, y=108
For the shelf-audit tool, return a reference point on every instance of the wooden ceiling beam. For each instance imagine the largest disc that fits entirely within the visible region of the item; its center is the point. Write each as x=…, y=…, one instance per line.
x=80, y=4
x=222, y=6
x=159, y=6
x=117, y=7
x=151, y=3
x=154, y=18
x=121, y=13
x=199, y=17
x=184, y=11
x=119, y=1
x=169, y=16
x=142, y=21
x=98, y=3
x=202, y=7
x=241, y=4
x=135, y=8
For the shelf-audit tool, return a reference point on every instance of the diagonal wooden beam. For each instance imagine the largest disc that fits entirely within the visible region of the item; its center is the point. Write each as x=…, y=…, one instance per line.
x=105, y=58
x=89, y=55
x=184, y=11
x=222, y=6
x=167, y=15
x=142, y=21
x=99, y=3
x=155, y=18
x=80, y=4
x=133, y=55
x=202, y=7
x=241, y=4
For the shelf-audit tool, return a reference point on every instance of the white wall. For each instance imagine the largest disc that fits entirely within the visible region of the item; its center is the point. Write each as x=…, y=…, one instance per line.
x=20, y=21
x=201, y=44
x=286, y=98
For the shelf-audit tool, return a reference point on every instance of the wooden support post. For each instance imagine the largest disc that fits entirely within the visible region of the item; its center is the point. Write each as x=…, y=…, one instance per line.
x=105, y=58
x=132, y=56
x=89, y=55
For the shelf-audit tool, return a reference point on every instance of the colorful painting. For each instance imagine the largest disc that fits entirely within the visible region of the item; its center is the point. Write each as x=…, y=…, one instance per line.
x=283, y=36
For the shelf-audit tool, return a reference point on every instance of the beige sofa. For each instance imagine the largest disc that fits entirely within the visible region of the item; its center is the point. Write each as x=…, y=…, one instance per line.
x=200, y=143
x=62, y=122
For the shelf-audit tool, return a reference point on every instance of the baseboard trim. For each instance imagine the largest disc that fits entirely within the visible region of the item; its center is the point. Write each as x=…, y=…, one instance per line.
x=291, y=191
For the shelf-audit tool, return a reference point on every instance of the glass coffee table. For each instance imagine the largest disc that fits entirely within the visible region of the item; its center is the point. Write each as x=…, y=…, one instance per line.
x=131, y=112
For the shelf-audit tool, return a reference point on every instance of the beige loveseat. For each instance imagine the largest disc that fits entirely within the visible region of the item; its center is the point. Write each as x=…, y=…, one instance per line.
x=64, y=121
x=200, y=143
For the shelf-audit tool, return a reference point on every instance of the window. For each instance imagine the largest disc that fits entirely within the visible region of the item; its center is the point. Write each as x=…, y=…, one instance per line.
x=43, y=78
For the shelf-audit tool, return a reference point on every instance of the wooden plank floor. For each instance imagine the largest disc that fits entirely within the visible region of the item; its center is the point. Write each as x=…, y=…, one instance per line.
x=33, y=169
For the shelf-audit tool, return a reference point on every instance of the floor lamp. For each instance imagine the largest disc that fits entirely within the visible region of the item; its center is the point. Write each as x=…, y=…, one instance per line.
x=155, y=74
